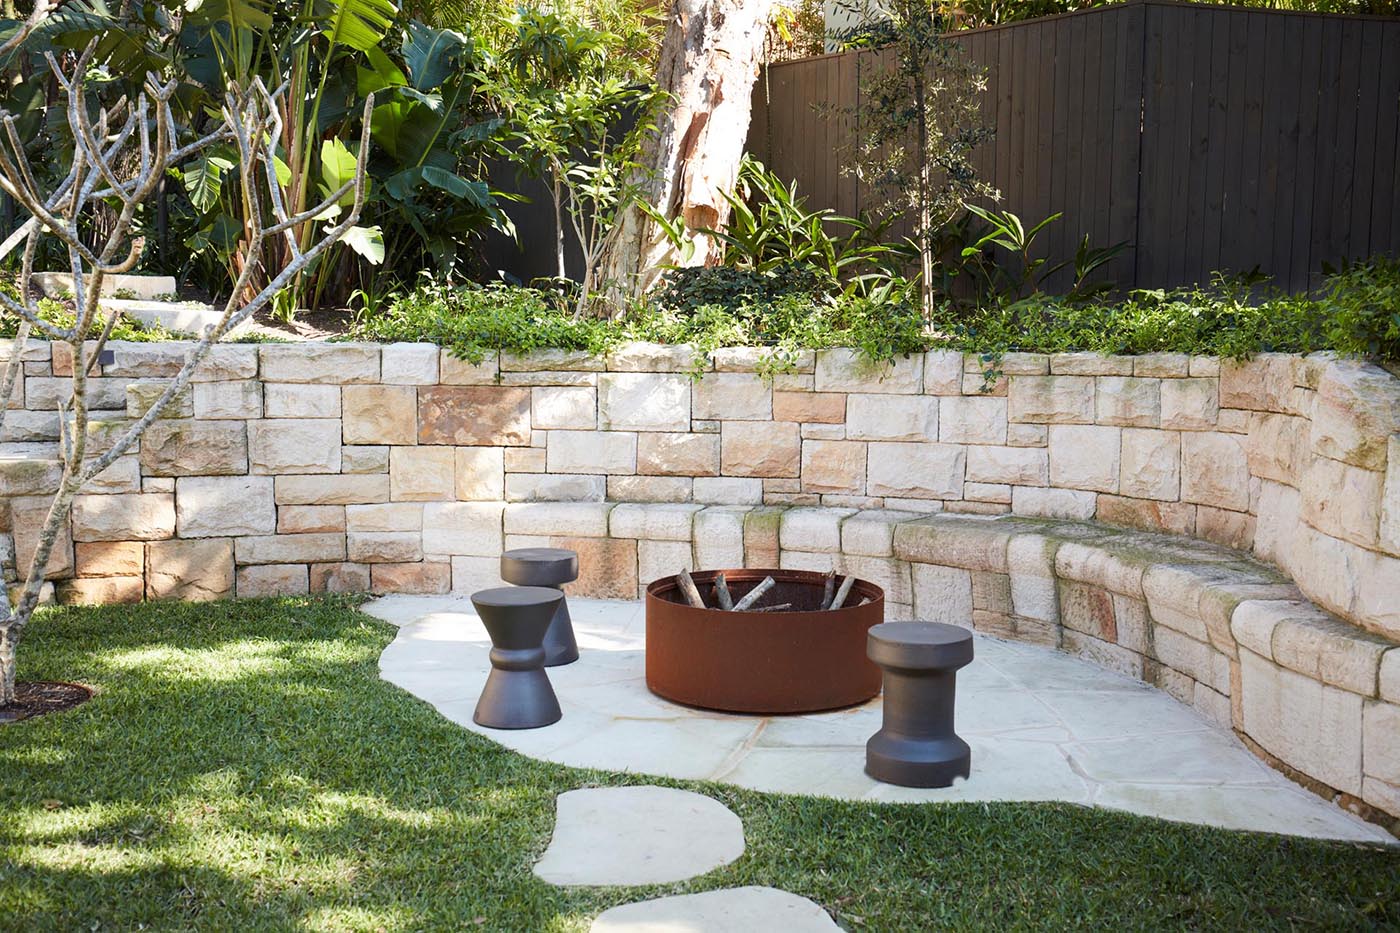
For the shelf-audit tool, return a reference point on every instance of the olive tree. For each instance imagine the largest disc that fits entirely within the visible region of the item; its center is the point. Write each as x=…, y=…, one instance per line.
x=120, y=154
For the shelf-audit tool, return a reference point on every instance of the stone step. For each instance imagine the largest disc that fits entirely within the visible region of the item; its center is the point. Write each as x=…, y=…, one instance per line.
x=142, y=287
x=182, y=317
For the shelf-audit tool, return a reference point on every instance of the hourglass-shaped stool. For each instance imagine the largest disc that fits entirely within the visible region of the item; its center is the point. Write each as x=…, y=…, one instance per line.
x=517, y=694
x=916, y=745
x=547, y=566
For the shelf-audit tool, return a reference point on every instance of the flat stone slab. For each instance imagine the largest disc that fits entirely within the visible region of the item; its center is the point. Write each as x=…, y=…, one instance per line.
x=638, y=835
x=1042, y=726
x=729, y=910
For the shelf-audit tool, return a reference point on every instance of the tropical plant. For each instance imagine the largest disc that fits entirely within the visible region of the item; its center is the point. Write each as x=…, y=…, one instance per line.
x=1026, y=274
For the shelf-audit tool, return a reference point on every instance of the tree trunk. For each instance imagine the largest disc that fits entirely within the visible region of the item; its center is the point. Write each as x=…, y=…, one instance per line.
x=7, y=667
x=709, y=61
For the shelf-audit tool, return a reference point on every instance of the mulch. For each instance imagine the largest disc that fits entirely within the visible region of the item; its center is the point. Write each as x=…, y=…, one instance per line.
x=36, y=698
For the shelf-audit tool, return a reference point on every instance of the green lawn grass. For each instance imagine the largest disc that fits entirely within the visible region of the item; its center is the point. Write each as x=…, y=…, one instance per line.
x=243, y=767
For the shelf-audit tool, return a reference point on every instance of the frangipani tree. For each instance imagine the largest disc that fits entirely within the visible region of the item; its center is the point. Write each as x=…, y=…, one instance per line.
x=119, y=158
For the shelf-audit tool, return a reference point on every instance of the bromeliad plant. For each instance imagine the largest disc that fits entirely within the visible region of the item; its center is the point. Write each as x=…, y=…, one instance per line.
x=120, y=155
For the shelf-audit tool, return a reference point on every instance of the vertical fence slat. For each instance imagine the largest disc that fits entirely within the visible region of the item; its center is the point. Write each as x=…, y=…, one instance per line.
x=1309, y=65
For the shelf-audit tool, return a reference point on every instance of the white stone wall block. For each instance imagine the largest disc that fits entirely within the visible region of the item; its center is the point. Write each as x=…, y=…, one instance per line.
x=285, y=400
x=413, y=364
x=1042, y=502
x=563, y=519
x=564, y=408
x=1214, y=470
x=1390, y=500
x=727, y=490
x=942, y=594
x=1129, y=401
x=1051, y=399
x=644, y=402
x=1356, y=411
x=891, y=418
x=328, y=363
x=1190, y=404
x=916, y=471
x=657, y=559
x=480, y=473
x=1017, y=466
x=719, y=537
x=1343, y=501
x=301, y=445
x=732, y=396
x=592, y=452
x=218, y=506
x=464, y=528
x=845, y=370
x=870, y=533
x=1085, y=457
x=129, y=517
x=555, y=487
x=812, y=529
x=657, y=521
x=966, y=419
x=1150, y=467
x=384, y=516
x=239, y=400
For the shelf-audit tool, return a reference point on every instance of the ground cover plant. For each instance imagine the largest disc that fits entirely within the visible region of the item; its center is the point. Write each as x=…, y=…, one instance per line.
x=243, y=767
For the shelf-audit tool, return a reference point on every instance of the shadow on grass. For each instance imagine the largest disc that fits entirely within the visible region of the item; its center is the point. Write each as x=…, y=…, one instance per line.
x=244, y=767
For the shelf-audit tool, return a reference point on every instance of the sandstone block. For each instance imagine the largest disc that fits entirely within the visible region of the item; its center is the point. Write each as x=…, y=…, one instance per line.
x=1325, y=648
x=942, y=594
x=964, y=543
x=812, y=529
x=411, y=364
x=272, y=580
x=558, y=519
x=761, y=527
x=421, y=578
x=1150, y=466
x=28, y=514
x=810, y=407
x=419, y=474
x=232, y=401
x=1085, y=457
x=524, y=459
x=1030, y=560
x=757, y=448
x=310, y=519
x=1109, y=565
x=289, y=549
x=26, y=474
x=22, y=425
x=331, y=490
x=480, y=473
x=607, y=567
x=649, y=488
x=131, y=517
x=843, y=370
x=564, y=408
x=1039, y=502
x=1147, y=514
x=189, y=570
x=592, y=452
x=943, y=371
x=753, y=359
x=1190, y=404
x=1277, y=446
x=1019, y=466
x=195, y=448
x=719, y=538
x=474, y=416
x=665, y=522
x=1356, y=412
x=871, y=533
x=1129, y=401
x=328, y=363
x=223, y=506
x=678, y=454
x=100, y=591
x=301, y=401
x=227, y=362
x=550, y=359
x=1381, y=742
x=645, y=357
x=302, y=445
x=1342, y=500
x=1390, y=501
x=386, y=414
x=555, y=487
x=463, y=528
x=1310, y=726
x=1159, y=365
x=133, y=358
x=891, y=417
x=383, y=547
x=123, y=475
x=732, y=396
x=471, y=574
x=916, y=471
x=1091, y=364
x=110, y=559
x=1359, y=584
x=657, y=559
x=972, y=420
x=141, y=397
x=727, y=490
x=643, y=402
x=833, y=467
x=1214, y=470
x=383, y=516
x=364, y=459
x=1051, y=399
x=454, y=371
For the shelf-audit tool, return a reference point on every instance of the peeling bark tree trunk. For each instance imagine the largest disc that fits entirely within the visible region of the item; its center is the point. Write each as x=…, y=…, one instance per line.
x=709, y=61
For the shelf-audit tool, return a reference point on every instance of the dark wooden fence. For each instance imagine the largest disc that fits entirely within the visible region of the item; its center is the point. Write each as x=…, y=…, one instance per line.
x=1210, y=138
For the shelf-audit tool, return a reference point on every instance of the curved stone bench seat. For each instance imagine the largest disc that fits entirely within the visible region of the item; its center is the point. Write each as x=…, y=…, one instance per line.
x=1314, y=695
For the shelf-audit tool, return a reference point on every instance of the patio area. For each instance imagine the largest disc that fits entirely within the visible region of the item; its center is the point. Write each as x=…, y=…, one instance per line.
x=1043, y=727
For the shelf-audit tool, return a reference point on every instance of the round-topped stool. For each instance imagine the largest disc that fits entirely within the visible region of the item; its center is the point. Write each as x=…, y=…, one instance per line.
x=553, y=567
x=517, y=694
x=916, y=745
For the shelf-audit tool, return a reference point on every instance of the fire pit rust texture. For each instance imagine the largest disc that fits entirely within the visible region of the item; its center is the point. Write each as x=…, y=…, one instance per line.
x=796, y=661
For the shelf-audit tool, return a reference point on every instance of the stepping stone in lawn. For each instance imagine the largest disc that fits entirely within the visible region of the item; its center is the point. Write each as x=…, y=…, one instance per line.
x=638, y=835
x=728, y=910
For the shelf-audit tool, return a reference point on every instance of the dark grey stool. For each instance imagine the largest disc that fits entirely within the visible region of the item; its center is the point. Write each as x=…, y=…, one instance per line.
x=517, y=694
x=916, y=745
x=547, y=566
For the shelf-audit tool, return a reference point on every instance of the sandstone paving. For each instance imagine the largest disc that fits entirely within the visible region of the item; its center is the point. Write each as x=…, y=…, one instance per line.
x=1042, y=726
x=728, y=910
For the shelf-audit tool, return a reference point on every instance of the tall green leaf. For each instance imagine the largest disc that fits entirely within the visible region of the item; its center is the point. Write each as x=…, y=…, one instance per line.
x=360, y=24
x=433, y=55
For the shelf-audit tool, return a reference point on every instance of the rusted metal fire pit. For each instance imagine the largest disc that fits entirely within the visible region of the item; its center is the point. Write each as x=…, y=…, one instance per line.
x=795, y=661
